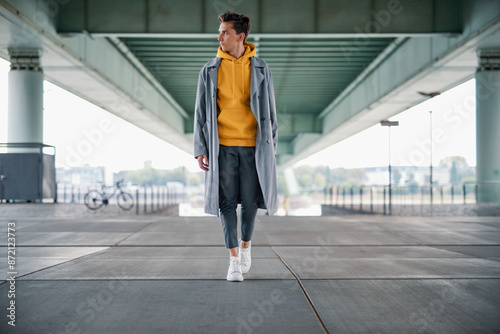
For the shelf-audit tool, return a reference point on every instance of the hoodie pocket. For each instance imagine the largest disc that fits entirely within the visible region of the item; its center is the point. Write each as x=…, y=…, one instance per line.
x=236, y=124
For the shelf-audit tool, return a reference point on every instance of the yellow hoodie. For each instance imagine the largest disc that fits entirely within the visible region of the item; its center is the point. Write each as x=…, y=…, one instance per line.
x=236, y=123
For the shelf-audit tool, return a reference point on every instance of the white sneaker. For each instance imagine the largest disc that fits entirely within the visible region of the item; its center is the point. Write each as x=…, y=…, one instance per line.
x=234, y=272
x=245, y=257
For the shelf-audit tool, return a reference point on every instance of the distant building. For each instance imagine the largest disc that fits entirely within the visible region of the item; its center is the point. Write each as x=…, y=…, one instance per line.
x=80, y=176
x=376, y=176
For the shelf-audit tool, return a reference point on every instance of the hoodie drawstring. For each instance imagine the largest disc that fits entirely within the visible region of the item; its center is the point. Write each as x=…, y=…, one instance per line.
x=242, y=76
x=249, y=52
x=243, y=79
x=233, y=72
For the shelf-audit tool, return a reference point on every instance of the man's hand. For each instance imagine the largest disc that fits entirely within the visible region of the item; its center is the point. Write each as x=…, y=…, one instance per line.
x=203, y=162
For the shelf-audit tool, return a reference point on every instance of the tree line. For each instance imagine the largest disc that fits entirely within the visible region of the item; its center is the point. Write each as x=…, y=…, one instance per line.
x=309, y=178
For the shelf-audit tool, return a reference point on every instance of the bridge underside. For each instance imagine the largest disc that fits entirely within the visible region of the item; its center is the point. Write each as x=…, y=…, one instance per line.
x=339, y=67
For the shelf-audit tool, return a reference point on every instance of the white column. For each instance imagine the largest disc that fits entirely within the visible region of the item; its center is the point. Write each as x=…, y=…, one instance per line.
x=25, y=99
x=488, y=126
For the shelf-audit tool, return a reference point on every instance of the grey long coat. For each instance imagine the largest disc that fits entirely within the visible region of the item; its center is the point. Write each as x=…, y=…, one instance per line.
x=206, y=138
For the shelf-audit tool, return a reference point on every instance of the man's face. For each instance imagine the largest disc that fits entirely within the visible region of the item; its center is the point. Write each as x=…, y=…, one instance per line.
x=228, y=38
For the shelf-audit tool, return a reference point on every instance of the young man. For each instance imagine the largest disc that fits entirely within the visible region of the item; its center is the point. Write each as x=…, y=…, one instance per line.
x=235, y=137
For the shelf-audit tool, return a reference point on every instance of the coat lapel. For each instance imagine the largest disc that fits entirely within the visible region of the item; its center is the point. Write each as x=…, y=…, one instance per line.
x=257, y=74
x=212, y=68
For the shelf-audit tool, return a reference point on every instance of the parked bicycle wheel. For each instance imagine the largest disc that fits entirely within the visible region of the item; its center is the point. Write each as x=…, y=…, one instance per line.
x=125, y=201
x=93, y=200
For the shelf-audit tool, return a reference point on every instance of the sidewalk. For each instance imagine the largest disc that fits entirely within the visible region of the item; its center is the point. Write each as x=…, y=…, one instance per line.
x=337, y=274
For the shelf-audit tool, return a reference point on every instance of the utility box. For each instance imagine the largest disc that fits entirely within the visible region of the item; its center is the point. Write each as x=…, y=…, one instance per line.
x=26, y=174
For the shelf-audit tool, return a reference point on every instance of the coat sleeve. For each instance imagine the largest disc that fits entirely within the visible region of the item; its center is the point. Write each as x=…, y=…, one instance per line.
x=272, y=110
x=200, y=145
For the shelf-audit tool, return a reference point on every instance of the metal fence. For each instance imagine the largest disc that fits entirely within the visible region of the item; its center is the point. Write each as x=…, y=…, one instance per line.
x=147, y=198
x=382, y=199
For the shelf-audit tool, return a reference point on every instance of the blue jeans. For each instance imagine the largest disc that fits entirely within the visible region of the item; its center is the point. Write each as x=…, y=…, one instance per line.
x=238, y=183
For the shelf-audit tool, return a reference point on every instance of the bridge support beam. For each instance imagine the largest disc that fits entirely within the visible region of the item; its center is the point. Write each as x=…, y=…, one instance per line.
x=28, y=173
x=488, y=126
x=25, y=112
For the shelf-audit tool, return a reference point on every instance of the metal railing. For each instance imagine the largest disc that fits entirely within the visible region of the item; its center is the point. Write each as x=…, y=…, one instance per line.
x=376, y=199
x=147, y=198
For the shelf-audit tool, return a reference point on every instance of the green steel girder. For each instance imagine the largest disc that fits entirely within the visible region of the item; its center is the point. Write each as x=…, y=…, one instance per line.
x=270, y=16
x=291, y=124
x=308, y=72
x=314, y=48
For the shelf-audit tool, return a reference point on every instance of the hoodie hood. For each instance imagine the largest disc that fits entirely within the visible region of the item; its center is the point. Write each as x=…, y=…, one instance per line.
x=249, y=52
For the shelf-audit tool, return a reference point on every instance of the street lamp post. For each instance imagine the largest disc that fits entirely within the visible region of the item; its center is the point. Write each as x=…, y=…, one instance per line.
x=430, y=165
x=389, y=124
x=430, y=95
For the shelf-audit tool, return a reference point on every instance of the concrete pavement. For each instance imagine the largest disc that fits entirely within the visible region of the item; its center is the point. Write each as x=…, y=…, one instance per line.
x=337, y=274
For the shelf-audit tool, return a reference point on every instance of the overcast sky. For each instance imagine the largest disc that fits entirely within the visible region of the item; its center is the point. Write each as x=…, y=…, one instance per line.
x=69, y=122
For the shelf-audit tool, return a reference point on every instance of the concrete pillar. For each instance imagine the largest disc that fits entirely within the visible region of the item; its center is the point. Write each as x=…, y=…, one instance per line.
x=25, y=111
x=488, y=126
x=291, y=181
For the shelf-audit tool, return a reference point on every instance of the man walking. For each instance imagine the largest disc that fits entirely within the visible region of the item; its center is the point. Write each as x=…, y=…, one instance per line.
x=235, y=138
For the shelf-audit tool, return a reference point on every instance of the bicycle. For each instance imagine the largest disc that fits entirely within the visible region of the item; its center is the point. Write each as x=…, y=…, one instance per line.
x=94, y=199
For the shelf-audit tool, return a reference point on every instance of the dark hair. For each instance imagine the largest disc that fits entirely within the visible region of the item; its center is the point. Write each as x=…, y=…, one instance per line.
x=241, y=23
